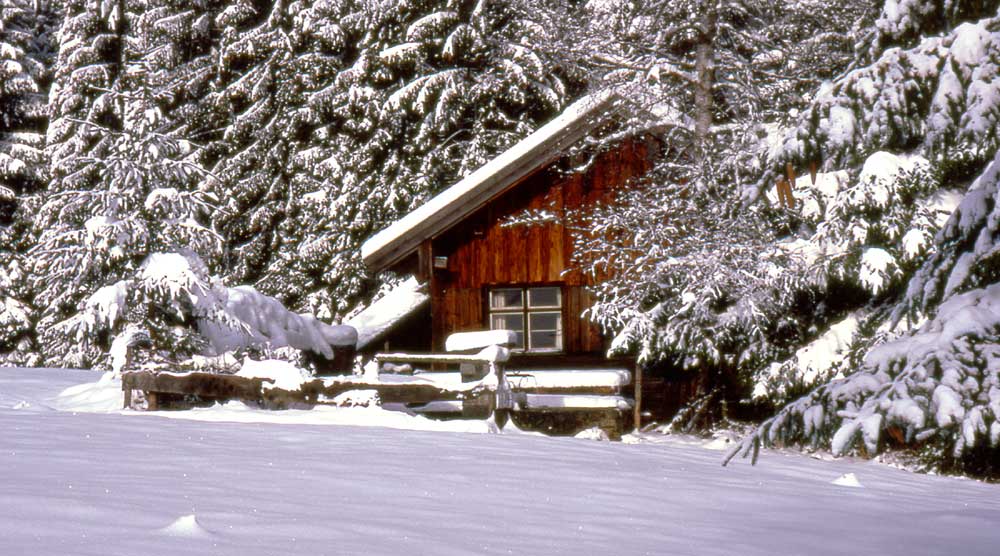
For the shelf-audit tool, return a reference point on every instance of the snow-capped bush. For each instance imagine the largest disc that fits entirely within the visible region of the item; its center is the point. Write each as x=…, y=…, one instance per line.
x=180, y=310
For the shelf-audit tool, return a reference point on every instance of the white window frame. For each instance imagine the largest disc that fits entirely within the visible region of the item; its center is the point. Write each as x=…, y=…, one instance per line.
x=526, y=309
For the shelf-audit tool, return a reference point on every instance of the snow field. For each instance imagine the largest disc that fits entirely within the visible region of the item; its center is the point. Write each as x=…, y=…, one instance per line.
x=80, y=483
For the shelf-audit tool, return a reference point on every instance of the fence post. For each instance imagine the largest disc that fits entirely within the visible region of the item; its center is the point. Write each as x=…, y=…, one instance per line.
x=127, y=390
x=502, y=398
x=637, y=415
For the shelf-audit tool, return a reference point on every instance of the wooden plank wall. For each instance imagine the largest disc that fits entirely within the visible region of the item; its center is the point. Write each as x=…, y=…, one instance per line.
x=482, y=253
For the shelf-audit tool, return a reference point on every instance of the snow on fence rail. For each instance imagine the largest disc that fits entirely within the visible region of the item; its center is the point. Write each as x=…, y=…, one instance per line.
x=482, y=389
x=162, y=390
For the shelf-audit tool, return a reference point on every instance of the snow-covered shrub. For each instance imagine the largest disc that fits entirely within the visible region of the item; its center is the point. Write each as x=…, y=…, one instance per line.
x=685, y=281
x=188, y=318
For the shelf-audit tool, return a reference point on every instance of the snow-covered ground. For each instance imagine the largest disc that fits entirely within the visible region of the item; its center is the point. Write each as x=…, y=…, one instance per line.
x=80, y=477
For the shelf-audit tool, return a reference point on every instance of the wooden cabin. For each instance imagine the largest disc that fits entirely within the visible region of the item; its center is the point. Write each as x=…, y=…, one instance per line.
x=473, y=273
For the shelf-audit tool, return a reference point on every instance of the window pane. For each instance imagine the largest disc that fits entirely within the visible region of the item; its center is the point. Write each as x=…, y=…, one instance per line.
x=545, y=330
x=544, y=321
x=544, y=297
x=507, y=298
x=509, y=321
x=545, y=340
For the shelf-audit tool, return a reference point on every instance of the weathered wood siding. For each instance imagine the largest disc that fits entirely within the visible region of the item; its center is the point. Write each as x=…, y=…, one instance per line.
x=482, y=254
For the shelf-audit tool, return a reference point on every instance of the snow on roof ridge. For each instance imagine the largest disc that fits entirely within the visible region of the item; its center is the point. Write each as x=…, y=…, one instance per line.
x=380, y=246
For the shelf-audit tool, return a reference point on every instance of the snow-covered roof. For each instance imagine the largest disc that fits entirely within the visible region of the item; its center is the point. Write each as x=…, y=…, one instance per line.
x=376, y=320
x=468, y=195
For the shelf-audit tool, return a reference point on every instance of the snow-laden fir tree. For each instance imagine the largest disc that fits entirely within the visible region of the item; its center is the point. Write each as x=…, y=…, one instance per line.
x=122, y=187
x=26, y=57
x=727, y=66
x=348, y=114
x=253, y=119
x=935, y=101
x=685, y=284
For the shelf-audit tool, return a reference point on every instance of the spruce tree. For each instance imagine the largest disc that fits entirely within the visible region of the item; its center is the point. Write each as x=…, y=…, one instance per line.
x=346, y=115
x=124, y=187
x=932, y=387
x=718, y=78
x=26, y=58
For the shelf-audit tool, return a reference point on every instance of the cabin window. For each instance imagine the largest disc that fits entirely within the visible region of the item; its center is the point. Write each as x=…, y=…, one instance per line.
x=534, y=314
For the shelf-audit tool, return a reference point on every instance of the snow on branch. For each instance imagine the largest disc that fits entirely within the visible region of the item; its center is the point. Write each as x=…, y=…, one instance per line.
x=965, y=246
x=939, y=93
x=937, y=390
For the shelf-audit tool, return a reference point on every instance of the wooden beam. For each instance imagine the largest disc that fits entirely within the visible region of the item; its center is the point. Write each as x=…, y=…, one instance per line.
x=637, y=415
x=316, y=392
x=425, y=261
x=203, y=384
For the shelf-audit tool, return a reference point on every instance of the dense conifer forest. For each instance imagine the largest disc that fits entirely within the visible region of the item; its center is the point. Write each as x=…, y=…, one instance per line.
x=820, y=245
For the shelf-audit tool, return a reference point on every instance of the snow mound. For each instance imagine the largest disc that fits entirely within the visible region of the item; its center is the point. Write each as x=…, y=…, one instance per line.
x=593, y=433
x=358, y=398
x=22, y=405
x=186, y=526
x=101, y=396
x=847, y=480
x=283, y=374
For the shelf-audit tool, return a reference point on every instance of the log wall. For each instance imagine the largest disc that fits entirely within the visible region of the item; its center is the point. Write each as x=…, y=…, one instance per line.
x=481, y=253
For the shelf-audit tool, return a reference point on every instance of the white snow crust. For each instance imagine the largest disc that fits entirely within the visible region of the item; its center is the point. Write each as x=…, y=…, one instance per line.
x=115, y=484
x=282, y=374
x=270, y=323
x=379, y=317
x=466, y=341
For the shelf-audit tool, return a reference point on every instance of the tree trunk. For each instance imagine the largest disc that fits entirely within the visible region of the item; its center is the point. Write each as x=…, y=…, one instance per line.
x=705, y=72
